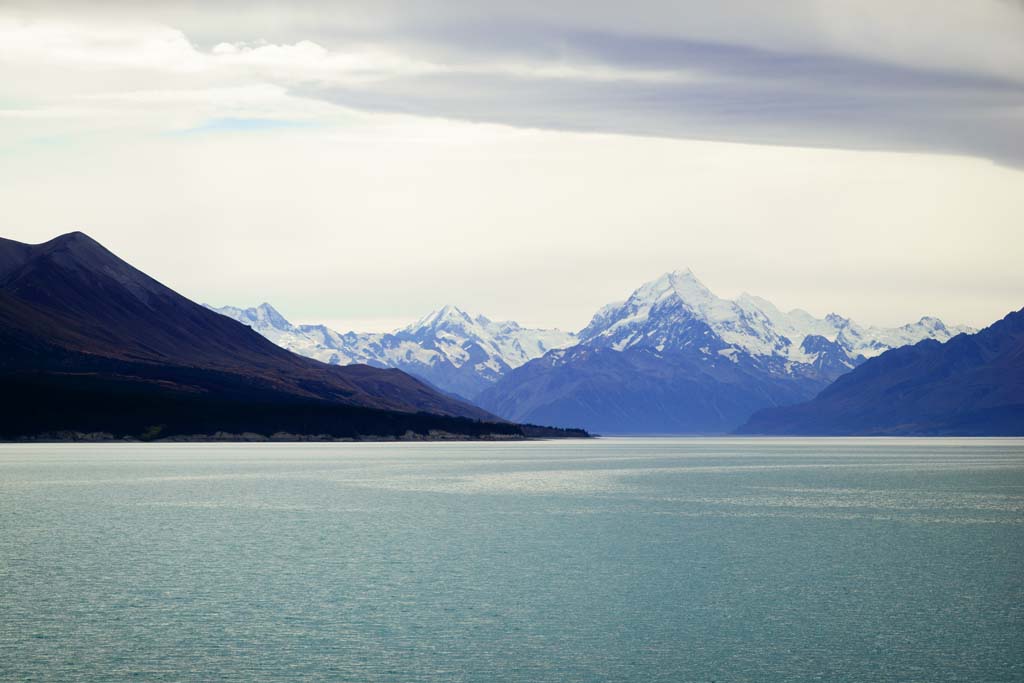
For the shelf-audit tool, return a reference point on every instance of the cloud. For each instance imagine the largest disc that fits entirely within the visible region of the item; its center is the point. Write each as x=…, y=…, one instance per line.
x=980, y=37
x=795, y=73
x=735, y=94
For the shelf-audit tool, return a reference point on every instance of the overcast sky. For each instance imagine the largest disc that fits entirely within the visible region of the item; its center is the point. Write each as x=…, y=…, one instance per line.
x=362, y=163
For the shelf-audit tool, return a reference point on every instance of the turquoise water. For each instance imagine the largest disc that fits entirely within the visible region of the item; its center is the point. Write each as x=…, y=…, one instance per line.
x=615, y=559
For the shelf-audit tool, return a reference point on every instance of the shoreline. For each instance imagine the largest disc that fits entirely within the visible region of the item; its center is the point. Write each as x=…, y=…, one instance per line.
x=280, y=437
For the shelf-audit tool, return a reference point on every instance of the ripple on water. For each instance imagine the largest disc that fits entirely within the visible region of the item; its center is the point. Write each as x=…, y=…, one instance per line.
x=621, y=559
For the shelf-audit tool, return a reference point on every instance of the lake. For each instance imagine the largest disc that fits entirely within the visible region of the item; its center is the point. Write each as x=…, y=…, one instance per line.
x=611, y=559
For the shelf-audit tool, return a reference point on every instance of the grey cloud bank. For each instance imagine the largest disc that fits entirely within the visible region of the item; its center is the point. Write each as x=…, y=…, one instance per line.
x=859, y=75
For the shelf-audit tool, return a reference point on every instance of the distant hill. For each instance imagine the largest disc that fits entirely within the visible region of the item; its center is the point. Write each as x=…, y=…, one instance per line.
x=457, y=352
x=674, y=358
x=973, y=385
x=89, y=343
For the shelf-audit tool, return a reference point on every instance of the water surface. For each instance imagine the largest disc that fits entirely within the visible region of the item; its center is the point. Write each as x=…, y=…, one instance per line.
x=612, y=559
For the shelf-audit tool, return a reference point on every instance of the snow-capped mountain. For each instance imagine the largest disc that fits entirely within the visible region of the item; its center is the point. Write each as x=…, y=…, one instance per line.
x=674, y=357
x=268, y=322
x=657, y=316
x=455, y=351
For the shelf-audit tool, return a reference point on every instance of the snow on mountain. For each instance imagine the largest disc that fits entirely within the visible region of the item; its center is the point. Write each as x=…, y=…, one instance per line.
x=873, y=341
x=506, y=344
x=675, y=358
x=266, y=320
x=655, y=314
x=453, y=350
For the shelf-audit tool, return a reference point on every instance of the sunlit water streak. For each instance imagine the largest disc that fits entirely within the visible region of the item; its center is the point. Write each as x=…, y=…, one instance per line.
x=615, y=559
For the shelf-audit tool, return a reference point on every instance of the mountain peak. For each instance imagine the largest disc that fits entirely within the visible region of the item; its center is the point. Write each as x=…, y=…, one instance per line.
x=448, y=313
x=77, y=243
x=682, y=283
x=683, y=273
x=77, y=256
x=258, y=317
x=449, y=310
x=658, y=303
x=669, y=279
x=267, y=312
x=266, y=307
x=72, y=237
x=837, y=320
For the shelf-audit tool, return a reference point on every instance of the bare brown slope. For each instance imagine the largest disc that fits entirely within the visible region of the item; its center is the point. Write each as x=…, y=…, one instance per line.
x=70, y=305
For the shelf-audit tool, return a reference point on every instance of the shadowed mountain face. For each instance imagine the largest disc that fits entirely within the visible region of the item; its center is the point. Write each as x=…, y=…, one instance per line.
x=70, y=308
x=972, y=385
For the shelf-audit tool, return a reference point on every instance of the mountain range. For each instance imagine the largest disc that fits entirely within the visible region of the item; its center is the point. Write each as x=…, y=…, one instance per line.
x=972, y=385
x=459, y=353
x=89, y=343
x=672, y=358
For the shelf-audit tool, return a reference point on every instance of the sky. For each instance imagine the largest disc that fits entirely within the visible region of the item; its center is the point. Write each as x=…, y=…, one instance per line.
x=362, y=163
